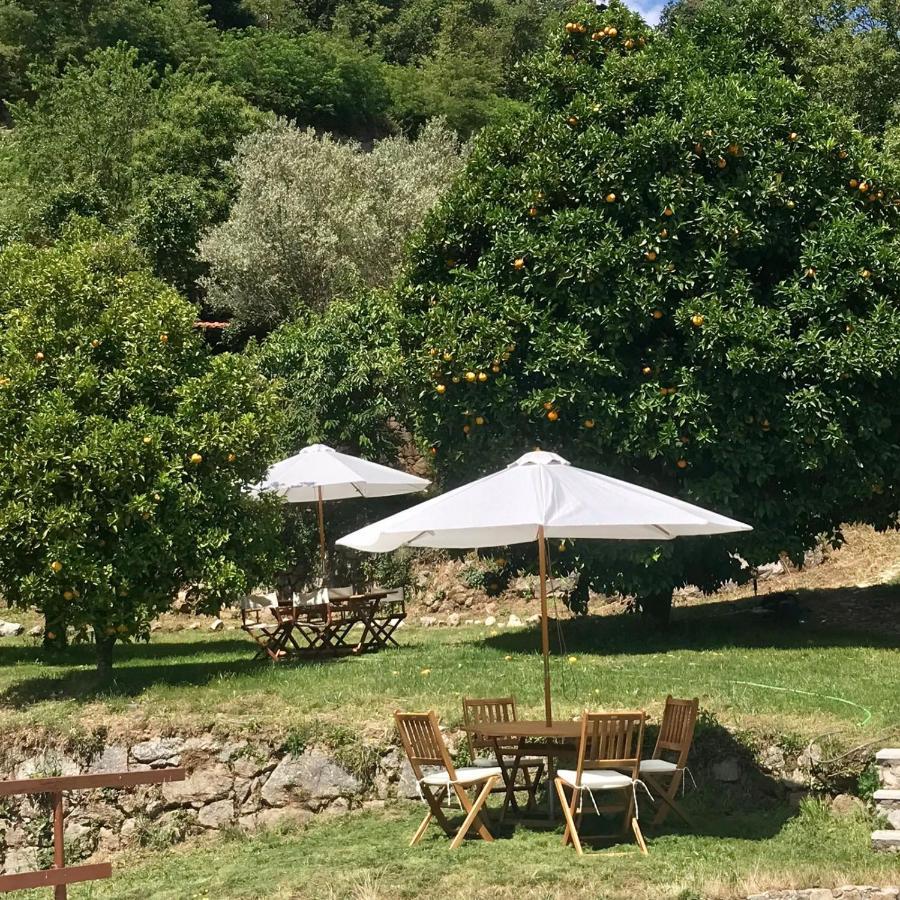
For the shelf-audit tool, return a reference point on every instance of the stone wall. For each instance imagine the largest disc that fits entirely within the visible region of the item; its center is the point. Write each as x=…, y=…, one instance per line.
x=887, y=800
x=230, y=784
x=235, y=783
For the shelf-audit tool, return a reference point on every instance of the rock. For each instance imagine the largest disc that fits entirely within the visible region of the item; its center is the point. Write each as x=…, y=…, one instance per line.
x=427, y=621
x=810, y=756
x=312, y=774
x=407, y=788
x=15, y=836
x=128, y=829
x=276, y=818
x=75, y=831
x=248, y=765
x=109, y=840
x=113, y=758
x=217, y=815
x=772, y=758
x=886, y=841
x=453, y=619
x=819, y=894
x=513, y=621
x=727, y=770
x=490, y=621
x=11, y=629
x=158, y=750
x=20, y=859
x=846, y=805
x=769, y=570
x=50, y=762
x=533, y=620
x=194, y=626
x=217, y=625
x=36, y=631
x=200, y=787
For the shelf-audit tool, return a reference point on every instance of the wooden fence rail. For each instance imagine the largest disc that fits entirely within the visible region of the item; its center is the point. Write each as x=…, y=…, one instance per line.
x=61, y=875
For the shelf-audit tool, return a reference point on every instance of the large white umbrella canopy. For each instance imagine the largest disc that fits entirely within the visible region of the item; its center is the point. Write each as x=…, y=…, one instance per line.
x=319, y=473
x=540, y=496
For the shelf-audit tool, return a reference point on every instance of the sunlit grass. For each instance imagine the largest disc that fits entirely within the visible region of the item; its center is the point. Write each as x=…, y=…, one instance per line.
x=748, y=671
x=366, y=856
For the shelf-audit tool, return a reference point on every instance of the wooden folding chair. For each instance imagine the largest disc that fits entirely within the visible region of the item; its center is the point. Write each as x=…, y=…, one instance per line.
x=505, y=754
x=676, y=734
x=424, y=746
x=609, y=741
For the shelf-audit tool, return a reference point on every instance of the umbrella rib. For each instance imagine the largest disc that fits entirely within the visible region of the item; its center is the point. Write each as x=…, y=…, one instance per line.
x=663, y=530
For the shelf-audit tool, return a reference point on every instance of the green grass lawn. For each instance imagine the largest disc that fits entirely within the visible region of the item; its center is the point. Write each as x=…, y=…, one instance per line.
x=366, y=857
x=749, y=671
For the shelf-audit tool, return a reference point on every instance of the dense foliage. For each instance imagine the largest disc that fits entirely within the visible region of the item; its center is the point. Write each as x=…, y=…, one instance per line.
x=105, y=139
x=124, y=445
x=679, y=268
x=315, y=219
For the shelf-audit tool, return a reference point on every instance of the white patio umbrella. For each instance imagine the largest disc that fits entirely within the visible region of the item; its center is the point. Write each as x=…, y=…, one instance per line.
x=537, y=497
x=319, y=473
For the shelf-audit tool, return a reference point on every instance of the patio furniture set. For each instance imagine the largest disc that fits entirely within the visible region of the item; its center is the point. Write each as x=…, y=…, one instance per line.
x=327, y=622
x=605, y=750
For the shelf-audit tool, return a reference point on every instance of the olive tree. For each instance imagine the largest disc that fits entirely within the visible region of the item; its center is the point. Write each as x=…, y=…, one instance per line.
x=315, y=218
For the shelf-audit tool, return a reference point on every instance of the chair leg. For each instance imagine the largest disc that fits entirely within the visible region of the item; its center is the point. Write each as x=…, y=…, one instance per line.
x=434, y=812
x=473, y=815
x=568, y=809
x=667, y=800
x=636, y=828
x=421, y=829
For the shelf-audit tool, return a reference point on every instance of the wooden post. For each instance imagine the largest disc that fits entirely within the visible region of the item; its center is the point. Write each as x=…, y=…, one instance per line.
x=545, y=625
x=322, y=553
x=60, y=891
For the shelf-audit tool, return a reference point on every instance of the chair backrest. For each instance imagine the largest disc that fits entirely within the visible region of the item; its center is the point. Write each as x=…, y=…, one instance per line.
x=253, y=602
x=676, y=731
x=477, y=711
x=423, y=742
x=339, y=593
x=611, y=741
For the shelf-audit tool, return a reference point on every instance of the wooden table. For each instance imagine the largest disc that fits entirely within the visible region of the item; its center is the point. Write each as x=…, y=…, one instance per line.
x=535, y=738
x=324, y=629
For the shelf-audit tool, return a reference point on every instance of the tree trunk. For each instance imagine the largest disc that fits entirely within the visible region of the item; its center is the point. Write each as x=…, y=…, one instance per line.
x=105, y=646
x=55, y=636
x=658, y=607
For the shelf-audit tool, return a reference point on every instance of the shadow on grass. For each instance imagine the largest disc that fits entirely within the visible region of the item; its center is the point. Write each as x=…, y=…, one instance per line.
x=716, y=626
x=139, y=667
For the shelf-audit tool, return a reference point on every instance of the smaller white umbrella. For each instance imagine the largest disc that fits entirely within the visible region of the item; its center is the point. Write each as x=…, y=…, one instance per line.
x=537, y=497
x=319, y=473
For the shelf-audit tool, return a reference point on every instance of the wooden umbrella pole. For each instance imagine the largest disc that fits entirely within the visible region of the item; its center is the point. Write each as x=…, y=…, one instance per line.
x=545, y=625
x=322, y=535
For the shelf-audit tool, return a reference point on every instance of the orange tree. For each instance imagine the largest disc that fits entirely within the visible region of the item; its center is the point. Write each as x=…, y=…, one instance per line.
x=680, y=269
x=124, y=445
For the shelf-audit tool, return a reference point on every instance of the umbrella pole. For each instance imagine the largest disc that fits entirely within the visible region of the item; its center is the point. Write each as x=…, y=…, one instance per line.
x=322, y=554
x=545, y=625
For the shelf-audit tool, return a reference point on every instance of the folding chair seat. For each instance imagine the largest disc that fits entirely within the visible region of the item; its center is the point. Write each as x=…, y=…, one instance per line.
x=609, y=758
x=501, y=709
x=437, y=777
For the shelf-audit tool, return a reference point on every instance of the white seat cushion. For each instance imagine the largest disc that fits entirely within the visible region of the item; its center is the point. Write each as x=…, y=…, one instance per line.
x=596, y=779
x=467, y=775
x=658, y=766
x=490, y=761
